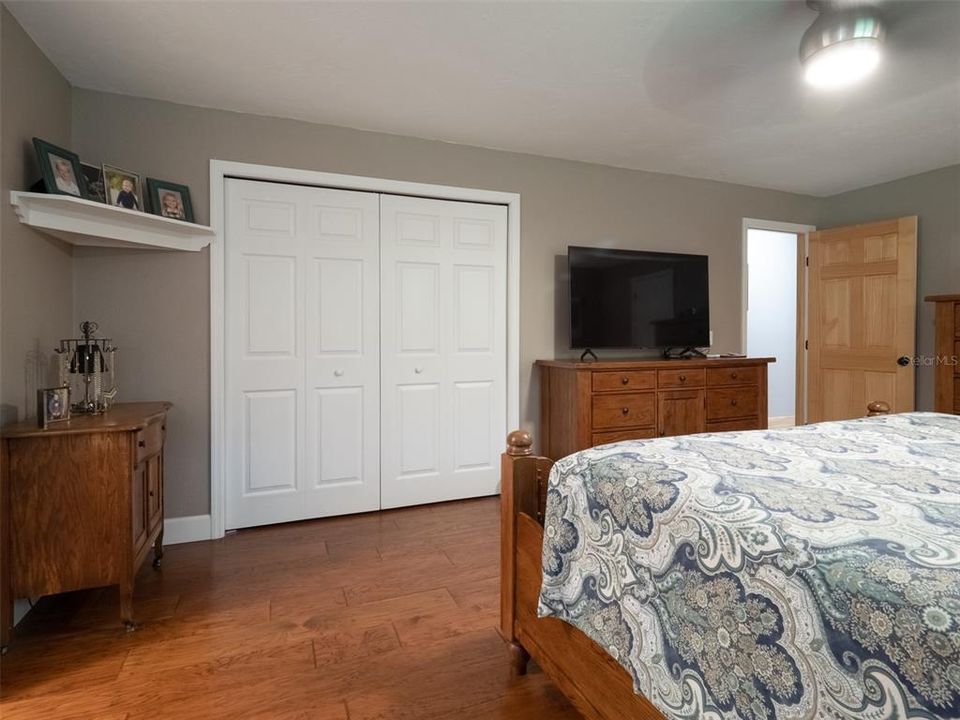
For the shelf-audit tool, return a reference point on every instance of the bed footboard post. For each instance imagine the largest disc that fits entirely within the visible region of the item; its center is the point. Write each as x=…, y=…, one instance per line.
x=516, y=466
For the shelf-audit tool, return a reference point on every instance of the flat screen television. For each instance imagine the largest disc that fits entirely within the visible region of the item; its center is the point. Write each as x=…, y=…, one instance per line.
x=631, y=299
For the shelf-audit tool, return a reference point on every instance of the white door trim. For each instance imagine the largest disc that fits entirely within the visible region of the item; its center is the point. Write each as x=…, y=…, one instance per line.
x=776, y=226
x=220, y=170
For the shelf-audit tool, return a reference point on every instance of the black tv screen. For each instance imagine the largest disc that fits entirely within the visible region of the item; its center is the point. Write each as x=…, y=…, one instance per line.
x=630, y=299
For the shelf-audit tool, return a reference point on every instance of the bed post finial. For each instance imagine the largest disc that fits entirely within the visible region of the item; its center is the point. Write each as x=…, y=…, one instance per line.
x=519, y=443
x=878, y=407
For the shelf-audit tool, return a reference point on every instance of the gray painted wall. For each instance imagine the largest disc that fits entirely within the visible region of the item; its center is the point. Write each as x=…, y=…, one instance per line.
x=36, y=274
x=934, y=197
x=155, y=304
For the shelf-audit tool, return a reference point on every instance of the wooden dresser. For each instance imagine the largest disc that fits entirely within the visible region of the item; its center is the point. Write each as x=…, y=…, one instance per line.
x=947, y=393
x=587, y=404
x=82, y=503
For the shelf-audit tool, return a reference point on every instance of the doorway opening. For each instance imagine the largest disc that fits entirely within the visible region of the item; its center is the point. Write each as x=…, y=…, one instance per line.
x=774, y=292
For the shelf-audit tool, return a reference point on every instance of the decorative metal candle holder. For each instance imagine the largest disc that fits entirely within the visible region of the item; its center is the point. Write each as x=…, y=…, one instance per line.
x=88, y=366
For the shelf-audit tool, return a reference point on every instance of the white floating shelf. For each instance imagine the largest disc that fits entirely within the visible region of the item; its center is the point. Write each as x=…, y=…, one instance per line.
x=86, y=222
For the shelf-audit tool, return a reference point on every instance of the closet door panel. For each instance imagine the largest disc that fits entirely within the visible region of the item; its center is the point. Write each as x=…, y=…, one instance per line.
x=443, y=372
x=302, y=352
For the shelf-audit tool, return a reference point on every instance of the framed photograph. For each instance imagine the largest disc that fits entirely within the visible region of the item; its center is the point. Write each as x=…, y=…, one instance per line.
x=93, y=178
x=61, y=169
x=122, y=188
x=169, y=199
x=53, y=405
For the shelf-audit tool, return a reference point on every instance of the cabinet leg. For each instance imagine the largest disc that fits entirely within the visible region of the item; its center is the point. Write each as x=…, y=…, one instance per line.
x=126, y=606
x=158, y=549
x=519, y=657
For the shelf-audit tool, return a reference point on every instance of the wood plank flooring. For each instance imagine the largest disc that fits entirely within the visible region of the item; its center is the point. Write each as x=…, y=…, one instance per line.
x=386, y=616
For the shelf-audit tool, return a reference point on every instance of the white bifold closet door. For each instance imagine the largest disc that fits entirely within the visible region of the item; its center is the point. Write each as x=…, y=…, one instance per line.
x=302, y=341
x=443, y=294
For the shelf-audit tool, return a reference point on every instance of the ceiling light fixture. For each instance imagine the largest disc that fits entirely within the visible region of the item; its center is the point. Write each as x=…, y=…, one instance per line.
x=843, y=45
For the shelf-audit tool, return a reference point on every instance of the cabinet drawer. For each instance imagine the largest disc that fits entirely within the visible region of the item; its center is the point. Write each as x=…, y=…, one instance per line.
x=624, y=410
x=733, y=376
x=603, y=438
x=731, y=425
x=626, y=380
x=149, y=440
x=733, y=402
x=680, y=378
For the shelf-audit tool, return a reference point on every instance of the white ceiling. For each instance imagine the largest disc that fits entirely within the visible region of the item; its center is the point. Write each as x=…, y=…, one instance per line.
x=702, y=89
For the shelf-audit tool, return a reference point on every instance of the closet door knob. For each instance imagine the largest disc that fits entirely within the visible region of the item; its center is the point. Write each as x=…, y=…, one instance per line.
x=338, y=373
x=418, y=370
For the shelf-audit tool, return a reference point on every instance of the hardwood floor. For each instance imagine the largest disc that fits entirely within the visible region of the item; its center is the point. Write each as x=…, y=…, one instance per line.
x=386, y=616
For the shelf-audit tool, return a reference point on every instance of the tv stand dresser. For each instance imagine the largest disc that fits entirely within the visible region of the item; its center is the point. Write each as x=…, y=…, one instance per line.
x=583, y=404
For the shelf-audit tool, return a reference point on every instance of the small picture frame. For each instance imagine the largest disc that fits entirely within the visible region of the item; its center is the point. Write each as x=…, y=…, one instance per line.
x=169, y=200
x=122, y=188
x=93, y=177
x=61, y=169
x=53, y=405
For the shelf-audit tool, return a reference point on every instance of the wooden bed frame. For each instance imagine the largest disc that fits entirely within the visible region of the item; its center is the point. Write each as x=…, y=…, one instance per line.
x=593, y=681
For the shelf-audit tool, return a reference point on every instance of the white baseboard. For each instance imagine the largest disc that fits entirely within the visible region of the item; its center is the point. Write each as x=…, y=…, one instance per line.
x=186, y=529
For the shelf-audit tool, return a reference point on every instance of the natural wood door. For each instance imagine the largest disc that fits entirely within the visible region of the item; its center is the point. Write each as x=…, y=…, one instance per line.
x=862, y=320
x=681, y=412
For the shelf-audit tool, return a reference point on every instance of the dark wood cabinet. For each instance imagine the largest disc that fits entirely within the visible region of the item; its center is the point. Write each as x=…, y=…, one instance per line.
x=587, y=404
x=82, y=503
x=947, y=388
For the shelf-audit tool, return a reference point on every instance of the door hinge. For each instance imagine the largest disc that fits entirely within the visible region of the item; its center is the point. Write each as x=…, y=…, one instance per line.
x=806, y=344
x=806, y=261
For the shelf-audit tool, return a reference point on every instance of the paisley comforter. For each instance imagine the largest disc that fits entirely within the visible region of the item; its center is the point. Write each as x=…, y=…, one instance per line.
x=794, y=574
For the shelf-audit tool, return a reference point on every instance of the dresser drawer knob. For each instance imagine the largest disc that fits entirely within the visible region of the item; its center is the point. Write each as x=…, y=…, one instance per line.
x=625, y=410
x=683, y=378
x=733, y=402
x=625, y=380
x=733, y=376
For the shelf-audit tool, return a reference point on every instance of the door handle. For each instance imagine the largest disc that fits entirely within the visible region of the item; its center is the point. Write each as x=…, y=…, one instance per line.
x=903, y=361
x=338, y=373
x=418, y=370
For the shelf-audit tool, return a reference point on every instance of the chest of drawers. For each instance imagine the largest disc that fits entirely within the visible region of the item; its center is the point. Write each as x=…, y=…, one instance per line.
x=82, y=503
x=587, y=404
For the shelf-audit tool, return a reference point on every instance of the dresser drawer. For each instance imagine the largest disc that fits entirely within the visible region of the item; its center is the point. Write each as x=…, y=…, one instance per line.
x=680, y=378
x=733, y=376
x=602, y=438
x=607, y=380
x=732, y=402
x=624, y=410
x=752, y=423
x=149, y=440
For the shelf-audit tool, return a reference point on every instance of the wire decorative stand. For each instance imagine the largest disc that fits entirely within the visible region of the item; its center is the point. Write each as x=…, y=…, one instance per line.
x=88, y=367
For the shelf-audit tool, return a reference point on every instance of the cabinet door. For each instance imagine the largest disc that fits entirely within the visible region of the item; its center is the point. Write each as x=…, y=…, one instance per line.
x=138, y=510
x=154, y=491
x=681, y=412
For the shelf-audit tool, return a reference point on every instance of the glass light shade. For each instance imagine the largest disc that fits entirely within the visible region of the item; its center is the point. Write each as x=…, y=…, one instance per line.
x=843, y=63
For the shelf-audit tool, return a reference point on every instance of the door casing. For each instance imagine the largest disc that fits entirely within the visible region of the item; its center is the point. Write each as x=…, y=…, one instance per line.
x=801, y=231
x=220, y=170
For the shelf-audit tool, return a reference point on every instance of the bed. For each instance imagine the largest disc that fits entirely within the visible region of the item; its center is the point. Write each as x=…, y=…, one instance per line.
x=794, y=574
